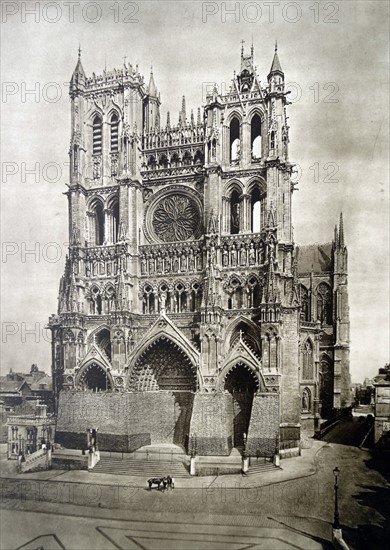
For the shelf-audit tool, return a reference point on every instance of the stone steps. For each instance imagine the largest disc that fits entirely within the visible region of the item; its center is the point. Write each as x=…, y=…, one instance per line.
x=260, y=468
x=144, y=468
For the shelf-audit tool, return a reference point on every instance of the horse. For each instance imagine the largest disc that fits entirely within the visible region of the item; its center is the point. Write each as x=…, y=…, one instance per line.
x=155, y=481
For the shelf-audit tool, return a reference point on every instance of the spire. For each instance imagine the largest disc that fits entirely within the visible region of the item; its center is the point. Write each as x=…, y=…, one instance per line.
x=242, y=48
x=336, y=237
x=341, y=232
x=252, y=49
x=198, y=119
x=276, y=67
x=192, y=118
x=183, y=109
x=79, y=67
x=78, y=77
x=168, y=120
x=152, y=90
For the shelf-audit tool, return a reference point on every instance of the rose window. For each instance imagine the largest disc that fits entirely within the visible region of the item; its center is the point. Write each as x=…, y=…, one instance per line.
x=176, y=218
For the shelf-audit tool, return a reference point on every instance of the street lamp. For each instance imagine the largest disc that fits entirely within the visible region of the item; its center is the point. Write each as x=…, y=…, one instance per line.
x=336, y=522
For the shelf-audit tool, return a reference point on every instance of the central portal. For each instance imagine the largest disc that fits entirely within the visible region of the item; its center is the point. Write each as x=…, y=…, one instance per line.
x=242, y=384
x=165, y=368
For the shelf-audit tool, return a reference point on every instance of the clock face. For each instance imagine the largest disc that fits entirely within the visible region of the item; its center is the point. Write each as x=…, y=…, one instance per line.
x=176, y=218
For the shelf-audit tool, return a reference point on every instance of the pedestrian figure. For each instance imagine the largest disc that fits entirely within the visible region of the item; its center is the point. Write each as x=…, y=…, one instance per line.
x=173, y=482
x=169, y=482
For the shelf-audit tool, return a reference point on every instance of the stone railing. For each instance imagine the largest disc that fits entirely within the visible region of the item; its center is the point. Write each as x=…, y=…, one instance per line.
x=42, y=457
x=177, y=135
x=156, y=173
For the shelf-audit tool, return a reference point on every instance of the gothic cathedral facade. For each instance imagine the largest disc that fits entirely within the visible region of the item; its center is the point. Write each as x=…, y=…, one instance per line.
x=186, y=312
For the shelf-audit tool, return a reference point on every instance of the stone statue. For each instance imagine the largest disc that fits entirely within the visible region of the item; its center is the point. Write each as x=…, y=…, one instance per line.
x=252, y=255
x=225, y=258
x=163, y=299
x=143, y=265
x=233, y=257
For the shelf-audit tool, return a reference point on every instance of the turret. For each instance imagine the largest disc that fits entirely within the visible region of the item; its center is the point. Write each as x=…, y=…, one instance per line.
x=77, y=82
x=152, y=105
x=276, y=75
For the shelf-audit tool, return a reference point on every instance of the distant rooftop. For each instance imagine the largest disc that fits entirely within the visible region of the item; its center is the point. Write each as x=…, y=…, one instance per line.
x=314, y=257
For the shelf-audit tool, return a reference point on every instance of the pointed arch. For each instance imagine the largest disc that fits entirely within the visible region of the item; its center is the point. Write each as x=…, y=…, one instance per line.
x=163, y=365
x=102, y=338
x=94, y=376
x=244, y=328
x=95, y=297
x=96, y=221
x=256, y=137
x=113, y=218
x=234, y=139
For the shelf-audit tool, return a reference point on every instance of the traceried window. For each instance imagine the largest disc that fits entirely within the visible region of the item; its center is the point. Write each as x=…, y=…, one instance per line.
x=97, y=135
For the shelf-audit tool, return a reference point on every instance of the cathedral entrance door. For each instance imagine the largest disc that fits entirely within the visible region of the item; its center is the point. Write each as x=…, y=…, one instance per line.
x=242, y=384
x=165, y=368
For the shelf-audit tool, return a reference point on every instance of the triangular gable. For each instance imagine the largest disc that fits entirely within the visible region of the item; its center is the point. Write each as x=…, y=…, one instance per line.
x=164, y=326
x=95, y=354
x=242, y=351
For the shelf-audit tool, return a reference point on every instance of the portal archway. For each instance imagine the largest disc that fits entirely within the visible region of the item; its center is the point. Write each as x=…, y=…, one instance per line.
x=242, y=383
x=163, y=366
x=94, y=377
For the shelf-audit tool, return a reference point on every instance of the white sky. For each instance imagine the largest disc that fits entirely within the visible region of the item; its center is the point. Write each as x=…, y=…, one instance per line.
x=347, y=55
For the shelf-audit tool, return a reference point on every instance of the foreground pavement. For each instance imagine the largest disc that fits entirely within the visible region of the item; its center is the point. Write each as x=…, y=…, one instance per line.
x=288, y=508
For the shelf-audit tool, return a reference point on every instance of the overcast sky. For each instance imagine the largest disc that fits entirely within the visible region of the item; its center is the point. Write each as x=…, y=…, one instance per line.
x=335, y=58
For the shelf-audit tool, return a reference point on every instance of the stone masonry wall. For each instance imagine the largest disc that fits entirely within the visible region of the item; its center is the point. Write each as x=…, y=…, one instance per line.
x=290, y=397
x=264, y=426
x=125, y=421
x=212, y=423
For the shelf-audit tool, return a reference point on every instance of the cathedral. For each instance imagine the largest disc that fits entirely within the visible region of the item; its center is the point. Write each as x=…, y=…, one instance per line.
x=186, y=312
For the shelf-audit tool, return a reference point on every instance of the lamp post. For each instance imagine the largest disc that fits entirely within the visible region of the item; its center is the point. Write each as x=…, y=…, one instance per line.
x=336, y=522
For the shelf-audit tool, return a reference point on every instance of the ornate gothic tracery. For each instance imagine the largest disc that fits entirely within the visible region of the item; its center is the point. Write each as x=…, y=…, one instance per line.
x=163, y=366
x=175, y=218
